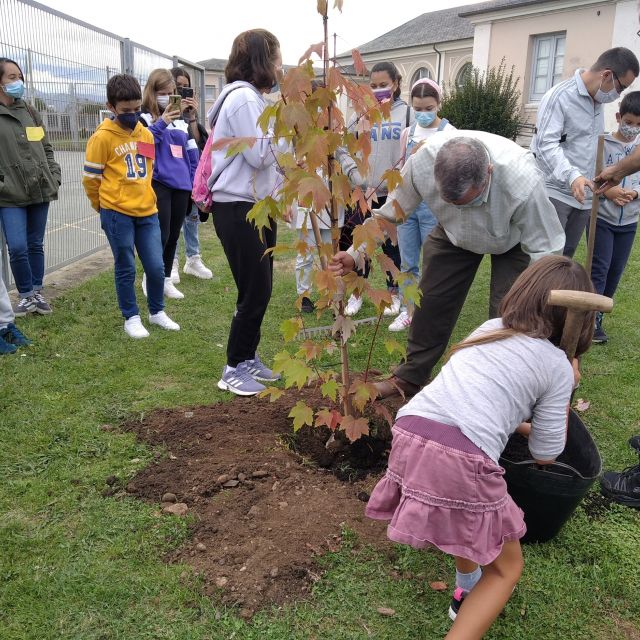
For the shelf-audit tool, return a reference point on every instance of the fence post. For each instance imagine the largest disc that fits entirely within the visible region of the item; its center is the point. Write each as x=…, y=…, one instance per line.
x=127, y=56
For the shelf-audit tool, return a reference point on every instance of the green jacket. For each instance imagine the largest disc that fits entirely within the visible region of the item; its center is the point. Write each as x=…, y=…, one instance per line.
x=28, y=172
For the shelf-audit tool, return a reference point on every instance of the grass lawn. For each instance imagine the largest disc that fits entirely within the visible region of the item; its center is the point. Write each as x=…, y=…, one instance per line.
x=76, y=565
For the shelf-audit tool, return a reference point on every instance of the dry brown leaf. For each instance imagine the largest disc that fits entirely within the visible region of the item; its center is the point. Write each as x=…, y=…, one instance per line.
x=386, y=611
x=438, y=586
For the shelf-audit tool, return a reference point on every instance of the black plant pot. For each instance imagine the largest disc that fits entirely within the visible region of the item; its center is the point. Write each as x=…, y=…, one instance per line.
x=549, y=495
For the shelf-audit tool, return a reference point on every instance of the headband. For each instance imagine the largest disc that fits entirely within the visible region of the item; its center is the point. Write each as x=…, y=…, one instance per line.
x=431, y=83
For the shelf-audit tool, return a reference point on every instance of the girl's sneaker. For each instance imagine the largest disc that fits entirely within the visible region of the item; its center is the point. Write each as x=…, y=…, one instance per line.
x=25, y=306
x=175, y=271
x=353, y=306
x=164, y=321
x=401, y=323
x=195, y=267
x=239, y=381
x=170, y=290
x=134, y=328
x=456, y=602
x=260, y=371
x=42, y=306
x=394, y=309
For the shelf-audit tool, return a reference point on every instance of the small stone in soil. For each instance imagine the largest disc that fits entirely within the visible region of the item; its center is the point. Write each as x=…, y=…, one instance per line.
x=201, y=547
x=363, y=496
x=169, y=497
x=208, y=436
x=274, y=572
x=223, y=478
x=178, y=509
x=283, y=505
x=260, y=474
x=230, y=484
x=254, y=511
x=221, y=582
x=242, y=477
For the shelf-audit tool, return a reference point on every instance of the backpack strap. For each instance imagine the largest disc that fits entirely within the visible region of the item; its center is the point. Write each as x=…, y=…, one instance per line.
x=443, y=123
x=408, y=117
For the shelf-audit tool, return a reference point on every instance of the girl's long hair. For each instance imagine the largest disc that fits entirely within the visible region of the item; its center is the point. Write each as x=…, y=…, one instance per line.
x=158, y=80
x=393, y=73
x=252, y=58
x=524, y=309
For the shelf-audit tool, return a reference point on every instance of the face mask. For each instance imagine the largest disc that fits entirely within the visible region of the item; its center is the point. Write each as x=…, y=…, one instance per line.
x=163, y=101
x=14, y=89
x=128, y=120
x=425, y=118
x=603, y=97
x=627, y=131
x=382, y=94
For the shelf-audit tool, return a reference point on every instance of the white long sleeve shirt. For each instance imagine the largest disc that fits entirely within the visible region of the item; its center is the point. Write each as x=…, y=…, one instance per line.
x=515, y=209
x=568, y=124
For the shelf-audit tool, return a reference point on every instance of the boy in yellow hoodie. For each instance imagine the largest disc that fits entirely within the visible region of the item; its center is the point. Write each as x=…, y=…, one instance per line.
x=117, y=179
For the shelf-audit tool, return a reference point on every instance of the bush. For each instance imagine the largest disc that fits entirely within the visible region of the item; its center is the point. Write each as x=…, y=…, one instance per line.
x=485, y=102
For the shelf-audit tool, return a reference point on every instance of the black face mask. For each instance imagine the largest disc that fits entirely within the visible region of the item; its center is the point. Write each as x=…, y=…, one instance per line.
x=128, y=120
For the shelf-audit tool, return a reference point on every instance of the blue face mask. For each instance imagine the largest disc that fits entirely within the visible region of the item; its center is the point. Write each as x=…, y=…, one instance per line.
x=128, y=120
x=14, y=89
x=425, y=118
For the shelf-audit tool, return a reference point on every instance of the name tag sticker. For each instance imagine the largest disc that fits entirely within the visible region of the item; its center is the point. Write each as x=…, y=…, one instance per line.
x=176, y=150
x=146, y=149
x=34, y=134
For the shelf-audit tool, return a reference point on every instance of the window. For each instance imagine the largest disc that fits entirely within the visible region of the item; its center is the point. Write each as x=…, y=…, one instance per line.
x=422, y=72
x=463, y=74
x=548, y=63
x=210, y=92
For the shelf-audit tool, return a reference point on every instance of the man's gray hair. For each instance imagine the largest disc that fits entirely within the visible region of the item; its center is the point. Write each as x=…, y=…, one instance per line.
x=461, y=163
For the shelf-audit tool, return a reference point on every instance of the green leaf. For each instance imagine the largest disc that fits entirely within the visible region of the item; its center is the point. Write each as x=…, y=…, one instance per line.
x=290, y=328
x=273, y=393
x=330, y=389
x=301, y=414
x=393, y=346
x=270, y=112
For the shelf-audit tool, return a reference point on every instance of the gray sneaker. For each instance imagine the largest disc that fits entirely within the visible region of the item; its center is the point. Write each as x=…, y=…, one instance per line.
x=260, y=371
x=25, y=306
x=42, y=306
x=240, y=381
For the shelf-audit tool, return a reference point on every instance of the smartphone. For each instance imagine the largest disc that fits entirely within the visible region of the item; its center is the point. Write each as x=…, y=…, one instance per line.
x=174, y=102
x=185, y=92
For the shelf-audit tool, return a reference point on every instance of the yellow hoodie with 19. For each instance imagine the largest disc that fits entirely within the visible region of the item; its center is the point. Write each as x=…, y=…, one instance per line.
x=118, y=169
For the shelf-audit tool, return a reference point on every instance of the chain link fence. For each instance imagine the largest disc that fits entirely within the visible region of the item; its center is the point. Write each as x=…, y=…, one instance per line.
x=66, y=64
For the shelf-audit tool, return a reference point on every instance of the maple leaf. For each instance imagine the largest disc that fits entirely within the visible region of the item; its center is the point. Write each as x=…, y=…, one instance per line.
x=341, y=186
x=290, y=328
x=296, y=85
x=325, y=281
x=338, y=5
x=344, y=327
x=233, y=145
x=393, y=346
x=412, y=294
x=335, y=80
x=269, y=113
x=381, y=410
x=358, y=199
x=263, y=213
x=362, y=393
x=273, y=393
x=368, y=234
x=358, y=63
x=317, y=48
x=328, y=418
x=387, y=264
x=297, y=373
x=390, y=229
x=314, y=187
x=393, y=179
x=329, y=389
x=381, y=298
x=295, y=115
x=310, y=350
x=323, y=7
x=301, y=414
x=354, y=427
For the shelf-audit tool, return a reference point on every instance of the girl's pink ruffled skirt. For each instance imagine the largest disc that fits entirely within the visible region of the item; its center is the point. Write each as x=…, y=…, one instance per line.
x=441, y=490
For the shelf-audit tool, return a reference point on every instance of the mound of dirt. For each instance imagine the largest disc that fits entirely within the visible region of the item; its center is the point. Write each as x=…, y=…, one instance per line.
x=263, y=508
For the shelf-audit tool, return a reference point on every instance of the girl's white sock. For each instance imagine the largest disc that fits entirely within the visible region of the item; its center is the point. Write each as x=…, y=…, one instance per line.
x=466, y=581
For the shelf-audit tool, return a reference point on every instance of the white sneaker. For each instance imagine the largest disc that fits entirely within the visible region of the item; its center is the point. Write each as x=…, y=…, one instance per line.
x=164, y=321
x=144, y=284
x=175, y=272
x=353, y=306
x=394, y=309
x=170, y=290
x=134, y=328
x=402, y=322
x=195, y=267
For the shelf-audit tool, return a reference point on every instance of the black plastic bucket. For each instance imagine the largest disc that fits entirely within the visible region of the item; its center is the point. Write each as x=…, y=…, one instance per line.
x=549, y=495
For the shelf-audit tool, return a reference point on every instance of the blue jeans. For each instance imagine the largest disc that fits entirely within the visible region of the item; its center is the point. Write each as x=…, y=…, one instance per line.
x=411, y=237
x=124, y=234
x=190, y=233
x=23, y=229
x=611, y=251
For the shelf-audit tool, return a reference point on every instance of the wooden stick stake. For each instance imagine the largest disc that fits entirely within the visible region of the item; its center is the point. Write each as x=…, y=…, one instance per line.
x=595, y=204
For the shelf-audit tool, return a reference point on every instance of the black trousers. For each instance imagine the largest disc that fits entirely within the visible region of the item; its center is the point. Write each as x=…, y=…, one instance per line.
x=172, y=208
x=447, y=274
x=252, y=272
x=354, y=217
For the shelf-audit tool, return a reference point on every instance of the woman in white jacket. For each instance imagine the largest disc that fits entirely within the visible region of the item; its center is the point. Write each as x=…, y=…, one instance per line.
x=237, y=183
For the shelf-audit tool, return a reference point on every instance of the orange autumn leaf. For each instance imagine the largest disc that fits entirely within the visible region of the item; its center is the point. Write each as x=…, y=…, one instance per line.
x=317, y=48
x=314, y=188
x=354, y=428
x=359, y=64
x=328, y=418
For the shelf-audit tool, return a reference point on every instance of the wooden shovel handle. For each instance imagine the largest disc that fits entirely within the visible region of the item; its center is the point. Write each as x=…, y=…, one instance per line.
x=579, y=300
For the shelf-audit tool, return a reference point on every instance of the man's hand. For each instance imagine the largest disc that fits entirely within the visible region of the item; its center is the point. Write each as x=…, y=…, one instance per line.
x=342, y=263
x=578, y=186
x=610, y=177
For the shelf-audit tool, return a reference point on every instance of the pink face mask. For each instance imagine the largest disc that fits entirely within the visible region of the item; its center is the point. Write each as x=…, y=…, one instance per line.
x=382, y=94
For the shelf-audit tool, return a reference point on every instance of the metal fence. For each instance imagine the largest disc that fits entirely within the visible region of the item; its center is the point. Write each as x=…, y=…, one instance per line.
x=66, y=64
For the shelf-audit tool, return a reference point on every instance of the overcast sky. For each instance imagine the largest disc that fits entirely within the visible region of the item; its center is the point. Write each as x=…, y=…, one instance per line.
x=196, y=30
